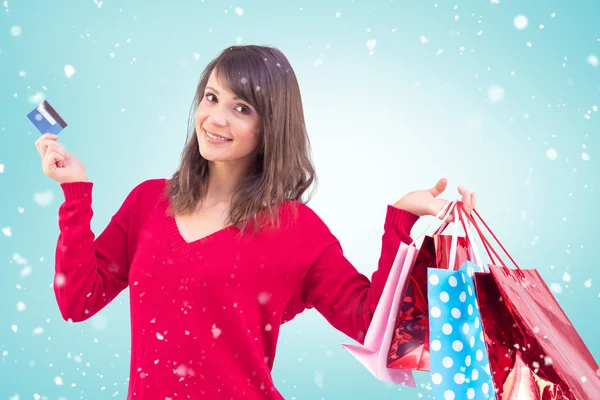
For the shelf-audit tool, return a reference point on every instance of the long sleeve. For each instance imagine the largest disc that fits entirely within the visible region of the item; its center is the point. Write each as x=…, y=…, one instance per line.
x=89, y=272
x=345, y=297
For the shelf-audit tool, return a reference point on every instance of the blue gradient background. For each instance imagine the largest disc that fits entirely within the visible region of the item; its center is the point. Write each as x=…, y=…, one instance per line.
x=382, y=123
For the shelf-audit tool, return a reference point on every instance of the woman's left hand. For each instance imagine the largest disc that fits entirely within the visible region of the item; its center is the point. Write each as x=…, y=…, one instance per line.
x=426, y=202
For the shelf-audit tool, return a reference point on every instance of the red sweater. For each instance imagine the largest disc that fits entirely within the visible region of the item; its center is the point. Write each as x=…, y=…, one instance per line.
x=206, y=315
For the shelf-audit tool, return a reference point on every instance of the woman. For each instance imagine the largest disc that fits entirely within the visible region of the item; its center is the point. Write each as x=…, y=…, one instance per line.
x=224, y=252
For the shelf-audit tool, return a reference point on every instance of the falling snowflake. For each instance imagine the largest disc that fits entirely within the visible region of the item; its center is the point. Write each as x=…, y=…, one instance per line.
x=43, y=199
x=37, y=98
x=264, y=297
x=99, y=322
x=319, y=378
x=520, y=22
x=60, y=280
x=551, y=153
x=216, y=332
x=495, y=93
x=371, y=43
x=69, y=71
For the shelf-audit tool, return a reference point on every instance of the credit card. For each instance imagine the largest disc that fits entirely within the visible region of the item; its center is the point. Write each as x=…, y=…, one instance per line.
x=46, y=119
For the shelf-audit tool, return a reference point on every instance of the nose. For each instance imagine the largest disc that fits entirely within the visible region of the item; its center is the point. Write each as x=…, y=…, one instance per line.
x=217, y=117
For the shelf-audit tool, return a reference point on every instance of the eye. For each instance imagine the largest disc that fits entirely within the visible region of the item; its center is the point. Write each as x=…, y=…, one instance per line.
x=243, y=109
x=210, y=97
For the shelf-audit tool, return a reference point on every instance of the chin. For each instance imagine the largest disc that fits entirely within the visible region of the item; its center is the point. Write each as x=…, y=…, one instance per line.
x=210, y=153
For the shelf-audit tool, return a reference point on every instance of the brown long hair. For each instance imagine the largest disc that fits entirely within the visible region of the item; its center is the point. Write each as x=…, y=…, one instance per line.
x=263, y=77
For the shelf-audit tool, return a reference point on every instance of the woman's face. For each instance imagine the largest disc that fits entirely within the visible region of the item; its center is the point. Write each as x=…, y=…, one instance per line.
x=228, y=129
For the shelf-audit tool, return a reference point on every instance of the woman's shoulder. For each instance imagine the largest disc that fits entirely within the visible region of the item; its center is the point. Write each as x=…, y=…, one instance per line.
x=150, y=186
x=303, y=218
x=303, y=230
x=148, y=191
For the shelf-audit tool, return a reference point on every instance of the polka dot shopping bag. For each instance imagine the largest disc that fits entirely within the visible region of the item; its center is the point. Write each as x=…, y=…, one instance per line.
x=459, y=363
x=460, y=368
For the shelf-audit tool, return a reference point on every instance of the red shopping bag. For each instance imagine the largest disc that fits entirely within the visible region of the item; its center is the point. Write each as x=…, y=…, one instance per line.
x=409, y=347
x=534, y=350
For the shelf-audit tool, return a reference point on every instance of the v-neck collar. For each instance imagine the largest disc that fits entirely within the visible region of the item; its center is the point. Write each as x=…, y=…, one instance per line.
x=178, y=242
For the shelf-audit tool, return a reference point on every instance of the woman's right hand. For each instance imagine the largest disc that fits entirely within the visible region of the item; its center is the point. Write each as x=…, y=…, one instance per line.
x=57, y=163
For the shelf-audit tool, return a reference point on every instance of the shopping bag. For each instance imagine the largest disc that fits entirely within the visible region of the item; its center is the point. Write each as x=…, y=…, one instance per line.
x=373, y=352
x=534, y=350
x=460, y=367
x=410, y=342
x=459, y=363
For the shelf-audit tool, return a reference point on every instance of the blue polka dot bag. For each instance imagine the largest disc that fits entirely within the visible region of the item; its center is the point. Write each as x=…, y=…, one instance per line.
x=460, y=368
x=459, y=363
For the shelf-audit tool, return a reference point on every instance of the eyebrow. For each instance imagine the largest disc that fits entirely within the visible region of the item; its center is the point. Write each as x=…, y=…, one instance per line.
x=218, y=94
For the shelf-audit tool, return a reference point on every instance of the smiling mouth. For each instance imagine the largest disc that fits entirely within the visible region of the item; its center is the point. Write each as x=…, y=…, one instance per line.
x=216, y=137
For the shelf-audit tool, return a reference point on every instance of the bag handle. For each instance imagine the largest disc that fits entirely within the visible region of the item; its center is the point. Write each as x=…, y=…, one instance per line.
x=459, y=218
x=484, y=239
x=445, y=212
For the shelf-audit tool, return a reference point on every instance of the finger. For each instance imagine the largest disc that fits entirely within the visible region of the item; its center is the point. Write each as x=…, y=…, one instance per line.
x=439, y=187
x=59, y=148
x=49, y=144
x=60, y=160
x=440, y=209
x=461, y=190
x=44, y=137
x=42, y=144
x=51, y=161
x=49, y=136
x=450, y=218
x=466, y=200
x=50, y=150
x=473, y=201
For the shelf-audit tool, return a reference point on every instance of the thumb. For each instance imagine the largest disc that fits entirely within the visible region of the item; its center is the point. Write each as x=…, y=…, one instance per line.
x=59, y=159
x=439, y=187
x=53, y=161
